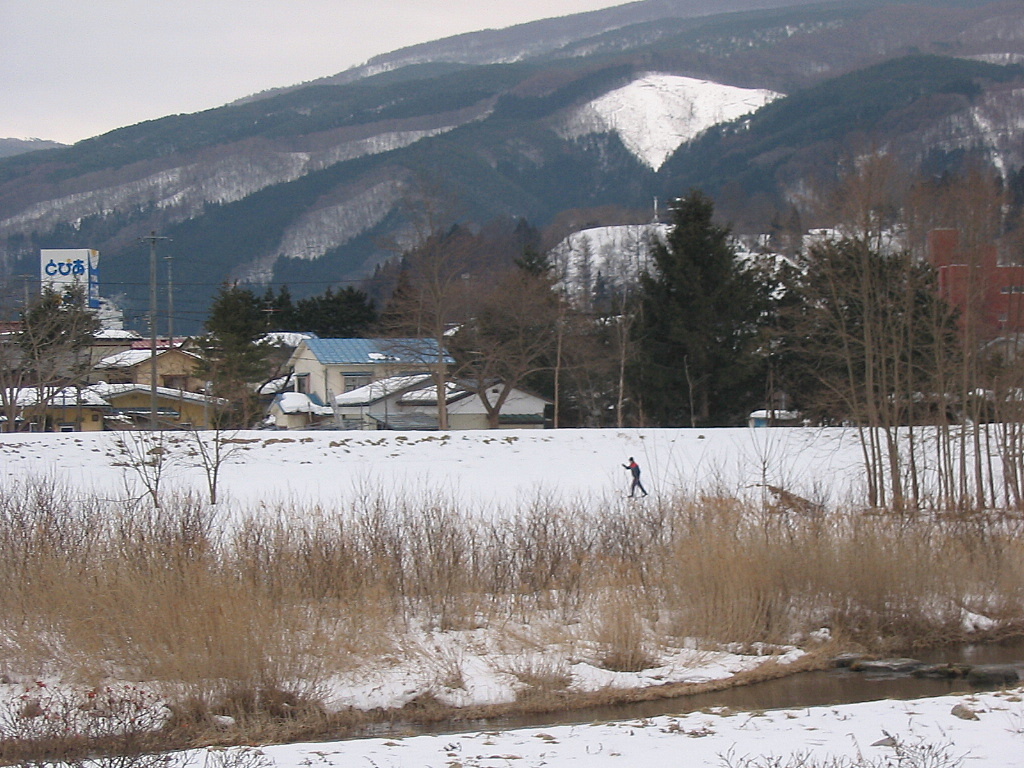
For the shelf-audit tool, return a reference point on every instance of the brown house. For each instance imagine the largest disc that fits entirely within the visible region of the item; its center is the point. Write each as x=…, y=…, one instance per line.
x=175, y=369
x=57, y=409
x=131, y=406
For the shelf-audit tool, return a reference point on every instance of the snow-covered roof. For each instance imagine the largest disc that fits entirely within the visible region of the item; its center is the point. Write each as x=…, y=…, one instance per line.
x=379, y=389
x=777, y=414
x=105, y=390
x=132, y=357
x=116, y=333
x=428, y=395
x=59, y=397
x=274, y=386
x=98, y=395
x=125, y=359
x=298, y=402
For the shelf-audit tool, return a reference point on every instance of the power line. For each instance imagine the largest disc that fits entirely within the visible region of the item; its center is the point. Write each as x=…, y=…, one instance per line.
x=279, y=283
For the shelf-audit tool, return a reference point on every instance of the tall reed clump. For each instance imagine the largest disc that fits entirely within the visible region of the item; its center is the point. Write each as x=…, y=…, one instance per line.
x=881, y=580
x=259, y=610
x=133, y=591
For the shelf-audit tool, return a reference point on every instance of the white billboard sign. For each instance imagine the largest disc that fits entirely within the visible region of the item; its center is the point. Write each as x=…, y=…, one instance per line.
x=62, y=268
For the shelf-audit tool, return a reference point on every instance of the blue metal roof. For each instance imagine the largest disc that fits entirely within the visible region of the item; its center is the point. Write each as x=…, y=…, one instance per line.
x=371, y=351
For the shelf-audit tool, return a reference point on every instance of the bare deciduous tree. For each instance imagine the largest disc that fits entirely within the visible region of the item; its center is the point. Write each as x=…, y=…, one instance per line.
x=211, y=451
x=511, y=334
x=44, y=353
x=436, y=259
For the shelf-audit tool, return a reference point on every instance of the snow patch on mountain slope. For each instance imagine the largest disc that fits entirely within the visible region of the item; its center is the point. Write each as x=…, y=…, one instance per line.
x=657, y=113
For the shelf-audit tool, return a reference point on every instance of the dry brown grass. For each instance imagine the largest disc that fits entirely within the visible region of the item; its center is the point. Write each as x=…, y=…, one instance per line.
x=240, y=618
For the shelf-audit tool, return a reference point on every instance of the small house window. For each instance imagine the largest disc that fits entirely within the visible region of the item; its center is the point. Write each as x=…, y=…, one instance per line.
x=356, y=381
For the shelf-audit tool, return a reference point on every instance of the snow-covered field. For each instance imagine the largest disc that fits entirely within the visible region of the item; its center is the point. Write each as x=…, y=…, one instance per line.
x=487, y=472
x=480, y=470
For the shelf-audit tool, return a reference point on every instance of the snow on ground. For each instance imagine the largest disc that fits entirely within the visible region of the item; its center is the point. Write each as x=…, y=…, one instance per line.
x=482, y=471
x=487, y=670
x=943, y=732
x=656, y=114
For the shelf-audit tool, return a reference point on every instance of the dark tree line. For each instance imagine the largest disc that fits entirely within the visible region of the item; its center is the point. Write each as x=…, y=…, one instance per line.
x=347, y=312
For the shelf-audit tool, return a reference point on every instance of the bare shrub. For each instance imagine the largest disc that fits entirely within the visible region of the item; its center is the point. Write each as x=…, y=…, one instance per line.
x=237, y=757
x=539, y=675
x=211, y=451
x=621, y=633
x=146, y=456
x=64, y=724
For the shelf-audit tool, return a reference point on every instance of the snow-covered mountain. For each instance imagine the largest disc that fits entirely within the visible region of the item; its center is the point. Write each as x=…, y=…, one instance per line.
x=657, y=113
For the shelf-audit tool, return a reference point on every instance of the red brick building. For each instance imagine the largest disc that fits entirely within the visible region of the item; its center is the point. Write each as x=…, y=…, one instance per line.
x=978, y=281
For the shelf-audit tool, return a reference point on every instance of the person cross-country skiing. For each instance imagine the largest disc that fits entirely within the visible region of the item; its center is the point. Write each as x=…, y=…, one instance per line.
x=634, y=468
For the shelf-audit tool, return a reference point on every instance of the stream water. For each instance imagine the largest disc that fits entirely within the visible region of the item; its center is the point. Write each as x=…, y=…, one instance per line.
x=805, y=689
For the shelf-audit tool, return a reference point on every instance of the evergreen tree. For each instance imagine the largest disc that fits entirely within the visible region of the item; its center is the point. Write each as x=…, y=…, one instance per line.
x=280, y=309
x=698, y=329
x=534, y=262
x=235, y=356
x=347, y=313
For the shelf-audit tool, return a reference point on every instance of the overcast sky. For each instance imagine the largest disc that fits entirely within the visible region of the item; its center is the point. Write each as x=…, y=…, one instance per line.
x=71, y=69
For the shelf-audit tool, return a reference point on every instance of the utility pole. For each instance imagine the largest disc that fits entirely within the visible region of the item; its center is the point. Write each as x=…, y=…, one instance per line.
x=170, y=301
x=152, y=238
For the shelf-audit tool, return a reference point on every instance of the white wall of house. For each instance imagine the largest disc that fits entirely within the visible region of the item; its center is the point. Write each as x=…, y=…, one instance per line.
x=464, y=413
x=470, y=413
x=312, y=377
x=328, y=381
